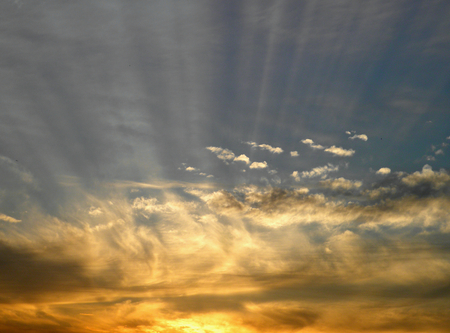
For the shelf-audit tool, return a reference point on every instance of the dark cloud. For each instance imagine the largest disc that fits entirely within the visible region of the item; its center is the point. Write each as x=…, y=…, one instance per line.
x=27, y=274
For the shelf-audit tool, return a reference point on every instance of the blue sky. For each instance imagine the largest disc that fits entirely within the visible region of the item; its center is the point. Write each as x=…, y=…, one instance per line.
x=243, y=154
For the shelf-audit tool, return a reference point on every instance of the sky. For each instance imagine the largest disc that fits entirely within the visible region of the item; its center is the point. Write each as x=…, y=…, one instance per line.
x=224, y=166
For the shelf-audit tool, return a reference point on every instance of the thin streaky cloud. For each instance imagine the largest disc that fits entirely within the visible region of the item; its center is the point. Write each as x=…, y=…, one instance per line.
x=311, y=143
x=223, y=154
x=341, y=184
x=9, y=219
x=320, y=171
x=362, y=137
x=339, y=151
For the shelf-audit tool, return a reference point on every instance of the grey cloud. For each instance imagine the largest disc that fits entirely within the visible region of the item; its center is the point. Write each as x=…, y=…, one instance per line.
x=28, y=275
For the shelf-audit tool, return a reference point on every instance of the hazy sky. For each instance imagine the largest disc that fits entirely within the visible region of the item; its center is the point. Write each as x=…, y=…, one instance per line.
x=224, y=166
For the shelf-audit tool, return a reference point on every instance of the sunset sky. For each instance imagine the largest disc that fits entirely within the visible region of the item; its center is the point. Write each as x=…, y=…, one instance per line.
x=224, y=166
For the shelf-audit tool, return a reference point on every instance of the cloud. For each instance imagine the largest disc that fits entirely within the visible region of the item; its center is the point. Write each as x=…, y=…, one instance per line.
x=296, y=176
x=437, y=179
x=348, y=132
x=241, y=250
x=223, y=154
x=273, y=172
x=227, y=155
x=242, y=158
x=191, y=169
x=258, y=165
x=341, y=184
x=439, y=152
x=95, y=211
x=9, y=219
x=310, y=143
x=359, y=136
x=320, y=171
x=339, y=151
x=273, y=150
x=294, y=153
x=383, y=171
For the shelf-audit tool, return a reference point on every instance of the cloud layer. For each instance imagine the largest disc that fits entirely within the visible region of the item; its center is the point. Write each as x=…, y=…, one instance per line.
x=207, y=259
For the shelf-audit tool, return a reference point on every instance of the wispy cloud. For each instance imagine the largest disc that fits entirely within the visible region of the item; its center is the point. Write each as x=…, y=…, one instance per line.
x=9, y=219
x=320, y=171
x=223, y=154
x=274, y=150
x=341, y=184
x=362, y=137
x=339, y=151
x=311, y=143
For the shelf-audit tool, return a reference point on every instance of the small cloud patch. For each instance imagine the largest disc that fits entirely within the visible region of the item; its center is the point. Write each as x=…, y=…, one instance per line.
x=383, y=171
x=263, y=146
x=258, y=165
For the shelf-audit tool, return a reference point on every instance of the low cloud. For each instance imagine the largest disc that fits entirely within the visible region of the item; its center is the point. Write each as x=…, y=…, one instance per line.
x=383, y=171
x=273, y=150
x=241, y=251
x=437, y=179
x=258, y=165
x=294, y=153
x=191, y=169
x=296, y=176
